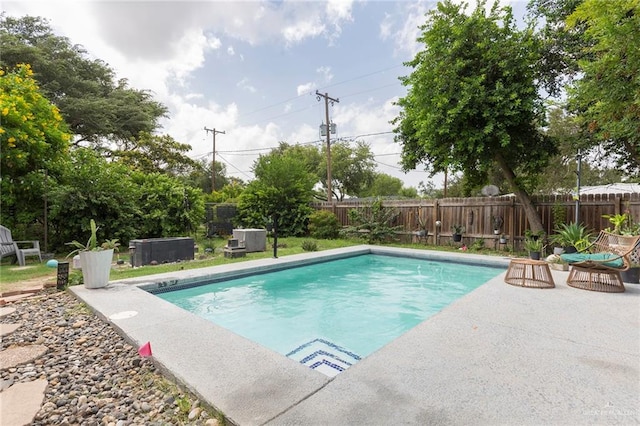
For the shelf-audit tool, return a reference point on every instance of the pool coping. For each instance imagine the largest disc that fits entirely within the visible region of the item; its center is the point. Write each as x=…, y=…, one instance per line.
x=477, y=361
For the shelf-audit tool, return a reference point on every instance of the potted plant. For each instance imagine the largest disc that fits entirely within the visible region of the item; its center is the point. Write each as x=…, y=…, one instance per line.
x=529, y=234
x=503, y=239
x=534, y=247
x=457, y=231
x=497, y=224
x=556, y=262
x=423, y=228
x=571, y=237
x=95, y=259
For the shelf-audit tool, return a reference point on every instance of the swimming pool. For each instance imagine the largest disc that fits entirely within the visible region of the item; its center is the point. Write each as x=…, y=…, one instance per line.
x=330, y=315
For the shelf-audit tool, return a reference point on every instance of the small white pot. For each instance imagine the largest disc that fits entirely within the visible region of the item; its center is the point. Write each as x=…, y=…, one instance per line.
x=558, y=250
x=96, y=267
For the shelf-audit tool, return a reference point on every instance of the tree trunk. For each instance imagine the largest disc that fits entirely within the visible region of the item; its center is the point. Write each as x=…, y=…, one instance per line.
x=529, y=209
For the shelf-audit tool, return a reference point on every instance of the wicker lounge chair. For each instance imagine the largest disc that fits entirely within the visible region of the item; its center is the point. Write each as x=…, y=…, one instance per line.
x=598, y=267
x=19, y=249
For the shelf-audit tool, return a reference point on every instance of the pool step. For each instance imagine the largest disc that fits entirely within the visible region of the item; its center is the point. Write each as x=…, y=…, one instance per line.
x=324, y=356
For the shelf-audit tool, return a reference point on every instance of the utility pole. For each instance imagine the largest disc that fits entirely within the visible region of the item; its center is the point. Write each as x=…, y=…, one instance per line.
x=213, y=162
x=327, y=99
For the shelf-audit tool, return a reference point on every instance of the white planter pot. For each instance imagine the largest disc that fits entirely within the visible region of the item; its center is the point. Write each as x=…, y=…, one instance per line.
x=96, y=266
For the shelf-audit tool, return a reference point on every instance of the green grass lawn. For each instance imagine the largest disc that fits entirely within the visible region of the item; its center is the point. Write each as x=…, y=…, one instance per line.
x=13, y=275
x=33, y=270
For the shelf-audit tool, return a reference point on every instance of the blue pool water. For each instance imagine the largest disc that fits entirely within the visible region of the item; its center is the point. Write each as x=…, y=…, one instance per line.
x=355, y=305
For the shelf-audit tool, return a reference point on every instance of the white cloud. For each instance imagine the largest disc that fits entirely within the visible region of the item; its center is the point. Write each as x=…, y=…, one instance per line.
x=339, y=10
x=213, y=43
x=305, y=88
x=386, y=27
x=244, y=85
x=164, y=46
x=405, y=33
x=326, y=74
x=301, y=30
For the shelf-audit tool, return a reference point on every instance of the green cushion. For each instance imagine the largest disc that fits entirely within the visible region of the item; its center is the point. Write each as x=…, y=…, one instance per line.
x=598, y=257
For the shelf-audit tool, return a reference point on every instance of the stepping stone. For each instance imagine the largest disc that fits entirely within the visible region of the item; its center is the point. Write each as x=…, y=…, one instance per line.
x=18, y=297
x=17, y=355
x=21, y=402
x=6, y=329
x=6, y=310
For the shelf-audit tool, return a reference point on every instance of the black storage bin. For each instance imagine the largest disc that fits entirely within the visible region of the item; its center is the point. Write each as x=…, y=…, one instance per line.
x=161, y=250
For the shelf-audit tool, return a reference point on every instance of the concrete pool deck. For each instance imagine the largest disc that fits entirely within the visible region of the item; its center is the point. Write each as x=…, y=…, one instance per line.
x=500, y=355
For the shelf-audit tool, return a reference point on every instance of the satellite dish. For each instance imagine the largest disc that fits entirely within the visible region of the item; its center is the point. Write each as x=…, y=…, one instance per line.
x=490, y=190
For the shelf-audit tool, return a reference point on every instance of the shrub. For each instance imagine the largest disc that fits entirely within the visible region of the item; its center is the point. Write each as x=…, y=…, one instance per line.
x=374, y=225
x=477, y=245
x=324, y=225
x=309, y=245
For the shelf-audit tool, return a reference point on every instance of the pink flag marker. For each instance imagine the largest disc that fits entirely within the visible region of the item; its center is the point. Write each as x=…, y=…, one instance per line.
x=145, y=350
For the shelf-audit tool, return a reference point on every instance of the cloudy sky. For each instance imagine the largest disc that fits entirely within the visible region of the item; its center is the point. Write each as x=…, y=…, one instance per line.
x=251, y=69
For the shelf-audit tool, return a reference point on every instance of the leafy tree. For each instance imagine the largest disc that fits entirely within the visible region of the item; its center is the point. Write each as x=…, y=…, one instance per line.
x=383, y=185
x=428, y=190
x=560, y=174
x=154, y=153
x=97, y=109
x=352, y=169
x=561, y=45
x=169, y=208
x=606, y=97
x=34, y=141
x=282, y=190
x=229, y=193
x=409, y=192
x=90, y=187
x=200, y=176
x=125, y=205
x=310, y=156
x=473, y=103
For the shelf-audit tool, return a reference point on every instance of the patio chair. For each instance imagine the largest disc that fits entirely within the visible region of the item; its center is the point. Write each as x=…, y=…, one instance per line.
x=19, y=249
x=598, y=267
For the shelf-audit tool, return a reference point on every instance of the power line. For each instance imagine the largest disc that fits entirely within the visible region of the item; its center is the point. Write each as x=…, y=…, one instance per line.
x=310, y=93
x=229, y=163
x=371, y=90
x=362, y=76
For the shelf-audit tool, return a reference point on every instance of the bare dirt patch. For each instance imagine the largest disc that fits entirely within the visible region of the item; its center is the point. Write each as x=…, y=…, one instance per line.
x=30, y=284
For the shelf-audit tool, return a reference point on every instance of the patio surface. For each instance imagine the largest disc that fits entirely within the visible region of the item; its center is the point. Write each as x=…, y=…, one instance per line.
x=500, y=355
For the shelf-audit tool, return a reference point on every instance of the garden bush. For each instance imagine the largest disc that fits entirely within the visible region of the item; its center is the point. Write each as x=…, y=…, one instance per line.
x=324, y=225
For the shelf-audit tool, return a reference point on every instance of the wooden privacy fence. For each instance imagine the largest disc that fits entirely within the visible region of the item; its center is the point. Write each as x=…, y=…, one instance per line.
x=478, y=214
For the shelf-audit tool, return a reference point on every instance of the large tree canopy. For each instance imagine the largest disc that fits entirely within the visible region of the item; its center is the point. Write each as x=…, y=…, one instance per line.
x=352, y=169
x=561, y=45
x=33, y=142
x=472, y=101
x=97, y=109
x=153, y=153
x=607, y=97
x=352, y=166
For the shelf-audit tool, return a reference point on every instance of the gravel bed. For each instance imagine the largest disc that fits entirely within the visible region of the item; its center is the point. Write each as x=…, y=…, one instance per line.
x=95, y=376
